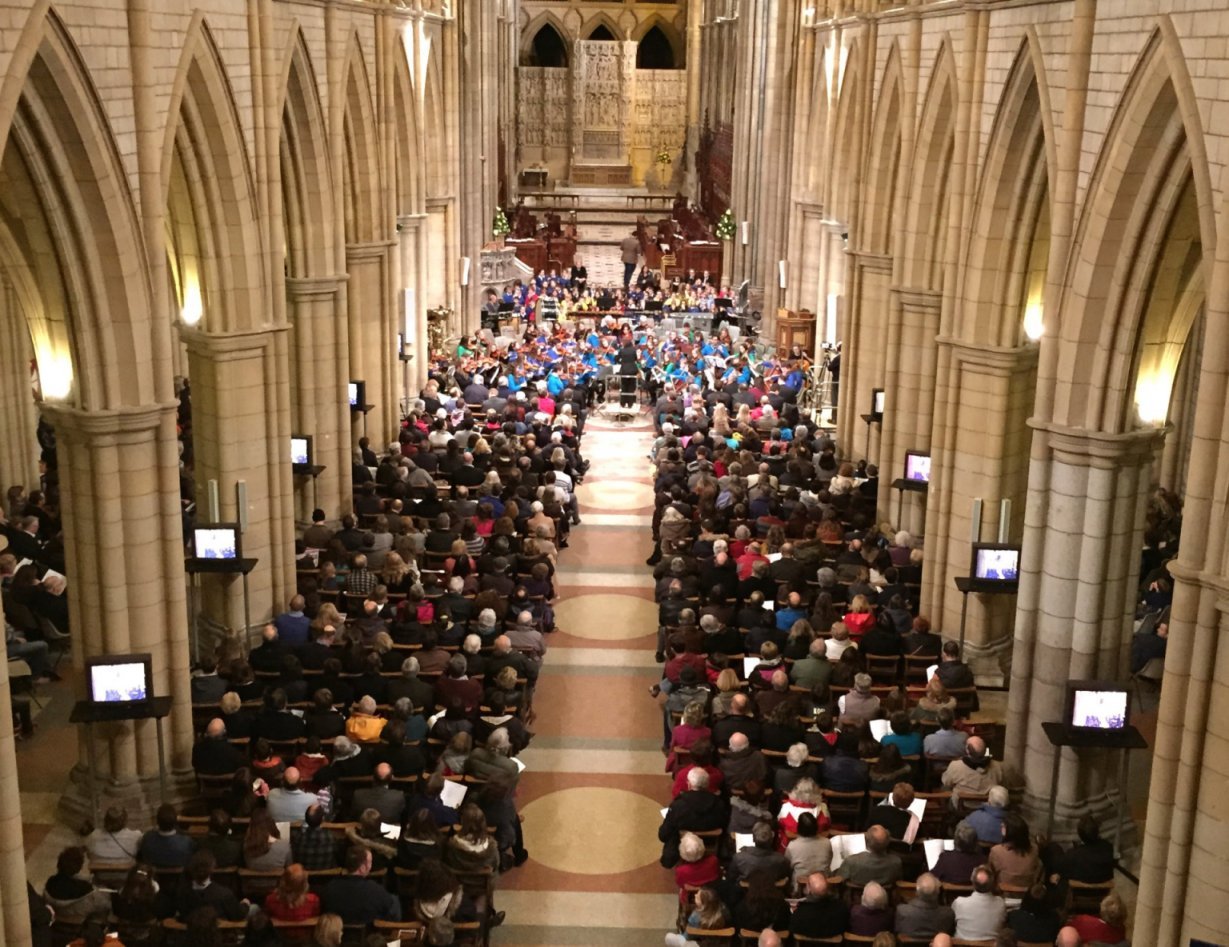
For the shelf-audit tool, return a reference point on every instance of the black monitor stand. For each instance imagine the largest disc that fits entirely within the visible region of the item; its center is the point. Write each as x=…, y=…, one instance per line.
x=967, y=583
x=88, y=713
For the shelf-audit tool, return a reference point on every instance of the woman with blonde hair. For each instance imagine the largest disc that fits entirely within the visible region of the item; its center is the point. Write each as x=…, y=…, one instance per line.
x=935, y=698
x=328, y=931
x=727, y=686
x=397, y=575
x=328, y=615
x=804, y=797
x=290, y=900
x=721, y=420
x=859, y=619
x=691, y=729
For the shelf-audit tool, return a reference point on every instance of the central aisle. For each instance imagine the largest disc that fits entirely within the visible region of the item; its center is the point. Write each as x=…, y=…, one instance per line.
x=595, y=780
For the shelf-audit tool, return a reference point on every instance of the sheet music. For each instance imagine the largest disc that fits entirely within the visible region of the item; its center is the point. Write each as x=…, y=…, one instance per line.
x=750, y=664
x=845, y=845
x=743, y=840
x=880, y=728
x=934, y=847
x=453, y=793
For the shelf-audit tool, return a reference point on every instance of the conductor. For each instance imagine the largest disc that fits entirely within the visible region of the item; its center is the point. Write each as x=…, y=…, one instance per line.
x=629, y=370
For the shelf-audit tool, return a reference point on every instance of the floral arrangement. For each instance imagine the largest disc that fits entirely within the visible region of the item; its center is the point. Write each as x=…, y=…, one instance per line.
x=663, y=156
x=499, y=225
x=725, y=226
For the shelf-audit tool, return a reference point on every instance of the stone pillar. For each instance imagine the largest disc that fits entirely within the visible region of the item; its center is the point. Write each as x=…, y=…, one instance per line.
x=241, y=424
x=14, y=907
x=119, y=482
x=412, y=245
x=373, y=337
x=909, y=357
x=19, y=446
x=318, y=392
x=979, y=451
x=1080, y=564
x=860, y=330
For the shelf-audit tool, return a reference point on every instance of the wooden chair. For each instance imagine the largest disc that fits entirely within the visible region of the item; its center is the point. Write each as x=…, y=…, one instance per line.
x=883, y=668
x=752, y=938
x=215, y=786
x=802, y=940
x=255, y=885
x=915, y=668
x=719, y=937
x=405, y=932
x=111, y=874
x=844, y=808
x=934, y=817
x=968, y=802
x=295, y=932
x=1085, y=898
x=177, y=932
x=949, y=892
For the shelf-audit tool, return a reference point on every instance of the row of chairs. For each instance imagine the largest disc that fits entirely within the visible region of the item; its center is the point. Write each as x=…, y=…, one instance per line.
x=730, y=937
x=297, y=933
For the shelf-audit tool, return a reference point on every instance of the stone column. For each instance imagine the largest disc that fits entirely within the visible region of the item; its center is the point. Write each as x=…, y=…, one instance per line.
x=980, y=450
x=373, y=336
x=242, y=433
x=1080, y=563
x=412, y=245
x=909, y=357
x=119, y=482
x=320, y=406
x=862, y=326
x=14, y=906
x=19, y=447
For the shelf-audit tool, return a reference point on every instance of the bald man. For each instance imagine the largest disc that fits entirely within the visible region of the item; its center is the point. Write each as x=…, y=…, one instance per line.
x=381, y=796
x=941, y=940
x=212, y=755
x=820, y=913
x=743, y=764
x=289, y=802
x=874, y=864
x=1067, y=937
x=974, y=774
x=739, y=720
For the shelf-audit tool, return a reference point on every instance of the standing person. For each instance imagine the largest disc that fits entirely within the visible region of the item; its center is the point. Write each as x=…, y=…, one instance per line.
x=630, y=250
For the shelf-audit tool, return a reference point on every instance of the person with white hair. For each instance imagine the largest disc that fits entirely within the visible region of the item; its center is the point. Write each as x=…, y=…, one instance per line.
x=494, y=760
x=873, y=913
x=693, y=810
x=987, y=821
x=486, y=623
x=363, y=726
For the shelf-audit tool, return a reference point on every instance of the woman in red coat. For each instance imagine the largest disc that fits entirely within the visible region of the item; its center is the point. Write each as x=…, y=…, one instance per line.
x=696, y=866
x=859, y=618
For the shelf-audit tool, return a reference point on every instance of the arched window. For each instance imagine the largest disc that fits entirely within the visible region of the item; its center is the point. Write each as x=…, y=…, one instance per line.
x=655, y=51
x=548, y=49
x=601, y=32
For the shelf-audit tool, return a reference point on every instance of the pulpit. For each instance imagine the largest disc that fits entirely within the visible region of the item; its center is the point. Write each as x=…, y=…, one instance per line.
x=796, y=328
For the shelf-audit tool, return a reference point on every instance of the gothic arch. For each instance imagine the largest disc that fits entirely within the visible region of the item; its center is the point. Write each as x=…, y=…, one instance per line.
x=847, y=83
x=883, y=172
x=208, y=189
x=600, y=18
x=306, y=174
x=436, y=127
x=818, y=134
x=1152, y=153
x=924, y=235
x=360, y=169
x=71, y=243
x=407, y=167
x=534, y=26
x=669, y=31
x=1011, y=205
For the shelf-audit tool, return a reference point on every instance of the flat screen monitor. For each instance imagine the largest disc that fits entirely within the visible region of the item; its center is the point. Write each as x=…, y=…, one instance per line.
x=877, y=401
x=917, y=466
x=996, y=562
x=358, y=394
x=216, y=541
x=1097, y=705
x=300, y=450
x=119, y=679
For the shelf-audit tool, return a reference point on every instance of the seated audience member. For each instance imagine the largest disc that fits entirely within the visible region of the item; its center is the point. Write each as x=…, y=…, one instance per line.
x=874, y=864
x=761, y=858
x=952, y=672
x=1107, y=928
x=739, y=720
x=701, y=757
x=743, y=763
x=311, y=845
x=293, y=626
x=921, y=641
x=803, y=799
x=797, y=767
x=987, y=821
x=321, y=719
x=894, y=815
x=115, y=841
x=288, y=802
x=357, y=899
x=933, y=701
x=903, y=736
x=206, y=684
x=873, y=913
x=694, y=810
x=290, y=900
x=974, y=773
x=888, y=769
x=380, y=796
x=165, y=846
x=923, y=915
x=1015, y=860
x=815, y=670
x=264, y=848
x=200, y=891
x=73, y=897
x=956, y=865
x=859, y=705
x=1091, y=861
x=947, y=741
x=1035, y=920
x=820, y=913
x=763, y=905
x=697, y=867
x=227, y=851
x=275, y=722
x=368, y=832
x=363, y=726
x=979, y=915
x=843, y=770
x=808, y=852
x=213, y=755
x=708, y=913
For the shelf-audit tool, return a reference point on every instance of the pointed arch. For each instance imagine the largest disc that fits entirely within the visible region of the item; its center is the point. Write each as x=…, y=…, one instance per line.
x=1152, y=166
x=1011, y=209
x=307, y=178
x=409, y=187
x=544, y=20
x=71, y=240
x=925, y=231
x=843, y=74
x=818, y=136
x=678, y=44
x=884, y=167
x=602, y=18
x=435, y=126
x=360, y=170
x=208, y=188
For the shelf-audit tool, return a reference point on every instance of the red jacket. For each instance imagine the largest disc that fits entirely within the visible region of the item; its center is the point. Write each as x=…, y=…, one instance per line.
x=858, y=623
x=697, y=874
